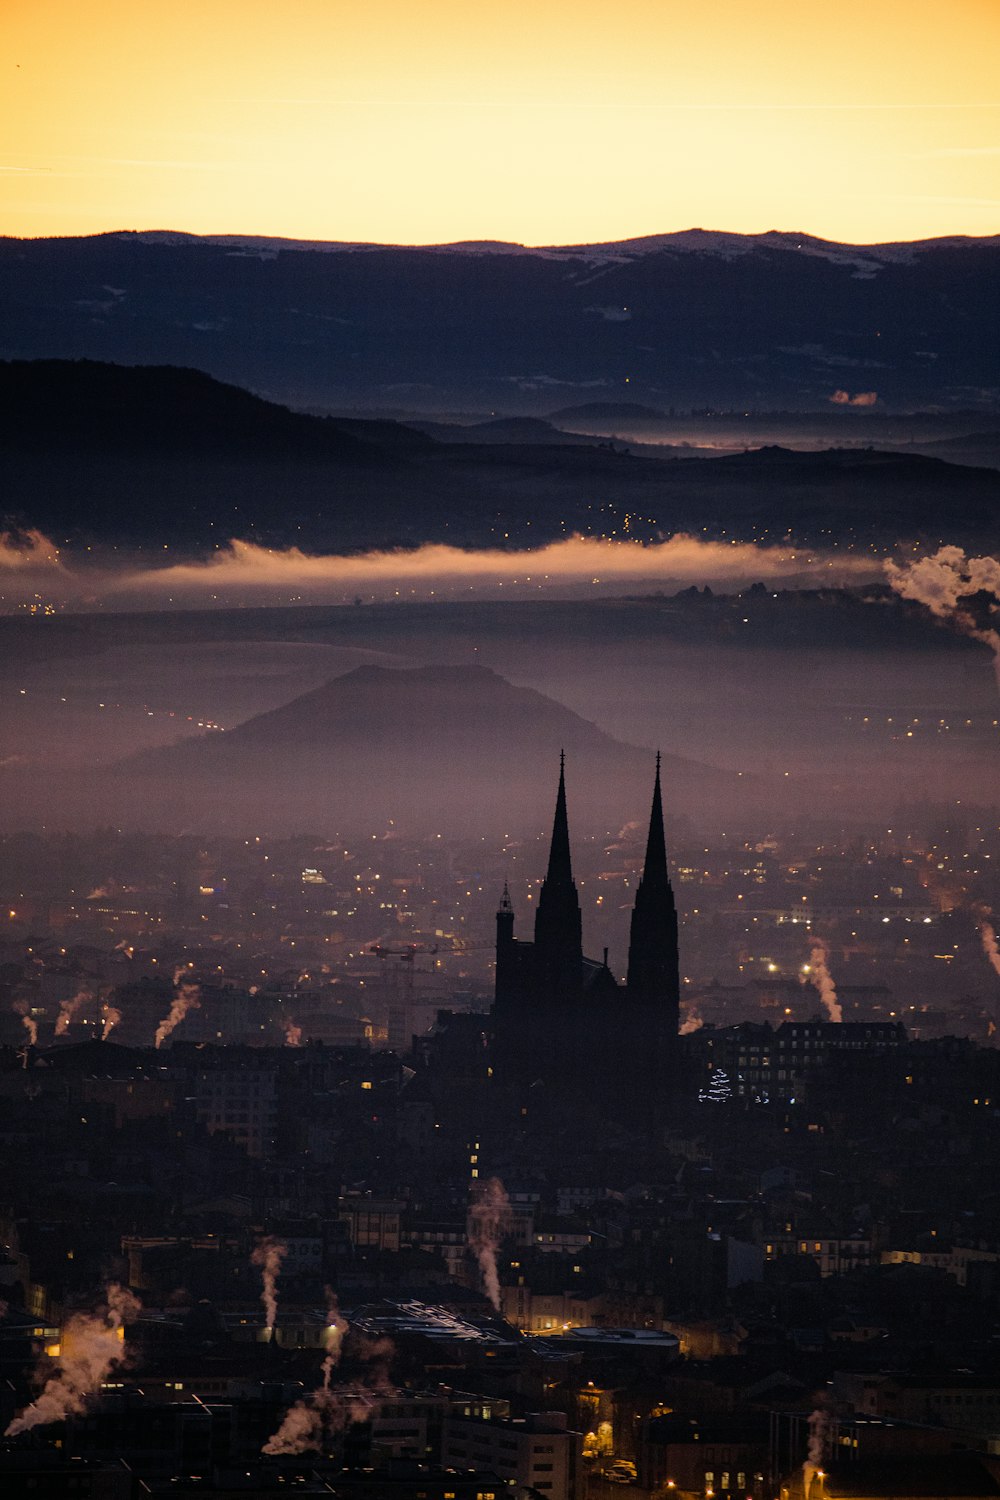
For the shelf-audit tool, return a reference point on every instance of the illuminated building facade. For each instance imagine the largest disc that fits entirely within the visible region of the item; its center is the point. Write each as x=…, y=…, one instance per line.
x=564, y=1019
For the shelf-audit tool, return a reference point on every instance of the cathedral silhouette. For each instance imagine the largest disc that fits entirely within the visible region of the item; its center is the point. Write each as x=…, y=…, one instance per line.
x=563, y=1020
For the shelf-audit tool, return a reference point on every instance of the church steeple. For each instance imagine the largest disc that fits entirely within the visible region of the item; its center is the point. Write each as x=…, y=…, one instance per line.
x=655, y=868
x=558, y=924
x=506, y=967
x=653, y=977
x=560, y=871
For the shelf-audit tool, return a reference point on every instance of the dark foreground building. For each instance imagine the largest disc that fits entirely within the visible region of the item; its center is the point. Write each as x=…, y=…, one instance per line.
x=564, y=1020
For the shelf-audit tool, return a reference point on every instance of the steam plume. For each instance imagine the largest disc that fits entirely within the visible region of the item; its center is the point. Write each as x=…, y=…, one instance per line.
x=342, y=1406
x=336, y=1327
x=988, y=937
x=377, y=1355
x=293, y=1034
x=488, y=1219
x=21, y=1008
x=819, y=1426
x=328, y=1409
x=110, y=1015
x=945, y=583
x=302, y=1426
x=268, y=1255
x=92, y=1345
x=692, y=1021
x=69, y=1008
x=301, y=1430
x=187, y=996
x=820, y=976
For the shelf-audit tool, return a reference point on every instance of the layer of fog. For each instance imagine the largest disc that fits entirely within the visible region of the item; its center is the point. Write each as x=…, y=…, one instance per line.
x=819, y=717
x=35, y=575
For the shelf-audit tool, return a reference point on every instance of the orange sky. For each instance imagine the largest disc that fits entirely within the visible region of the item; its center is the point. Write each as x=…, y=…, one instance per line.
x=542, y=121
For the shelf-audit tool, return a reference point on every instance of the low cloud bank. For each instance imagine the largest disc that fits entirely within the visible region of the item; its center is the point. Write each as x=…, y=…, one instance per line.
x=244, y=572
x=35, y=576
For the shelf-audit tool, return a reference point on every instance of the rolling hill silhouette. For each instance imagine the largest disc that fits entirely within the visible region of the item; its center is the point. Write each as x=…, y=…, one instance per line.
x=94, y=453
x=454, y=748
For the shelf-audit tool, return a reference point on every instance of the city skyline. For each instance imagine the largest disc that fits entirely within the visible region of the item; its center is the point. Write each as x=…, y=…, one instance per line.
x=500, y=837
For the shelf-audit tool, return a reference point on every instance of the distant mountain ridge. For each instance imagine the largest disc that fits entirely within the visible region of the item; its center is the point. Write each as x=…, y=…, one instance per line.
x=95, y=453
x=726, y=244
x=776, y=321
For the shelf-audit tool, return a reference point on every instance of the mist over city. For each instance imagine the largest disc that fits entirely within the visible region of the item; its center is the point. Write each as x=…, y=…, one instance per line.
x=499, y=745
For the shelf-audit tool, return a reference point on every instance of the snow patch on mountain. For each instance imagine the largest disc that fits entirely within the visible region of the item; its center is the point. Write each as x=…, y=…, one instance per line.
x=865, y=261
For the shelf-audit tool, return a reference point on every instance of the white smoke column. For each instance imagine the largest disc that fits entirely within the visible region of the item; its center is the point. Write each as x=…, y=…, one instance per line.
x=988, y=937
x=342, y=1406
x=293, y=1034
x=21, y=1008
x=187, y=996
x=943, y=581
x=692, y=1021
x=989, y=941
x=377, y=1354
x=333, y=1338
x=327, y=1409
x=301, y=1430
x=488, y=1220
x=93, y=1344
x=69, y=1008
x=110, y=1015
x=819, y=1426
x=268, y=1255
x=333, y=1335
x=820, y=976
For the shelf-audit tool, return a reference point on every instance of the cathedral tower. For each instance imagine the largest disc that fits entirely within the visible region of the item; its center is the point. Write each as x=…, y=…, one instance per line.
x=558, y=924
x=561, y=1020
x=653, y=974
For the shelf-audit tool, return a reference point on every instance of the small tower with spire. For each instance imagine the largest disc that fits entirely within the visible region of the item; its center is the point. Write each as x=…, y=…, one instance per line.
x=506, y=946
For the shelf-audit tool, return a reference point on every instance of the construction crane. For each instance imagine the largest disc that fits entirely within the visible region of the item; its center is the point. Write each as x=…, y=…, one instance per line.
x=405, y=955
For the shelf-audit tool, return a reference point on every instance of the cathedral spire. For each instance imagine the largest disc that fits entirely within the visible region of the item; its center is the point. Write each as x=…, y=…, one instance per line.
x=653, y=978
x=655, y=868
x=560, y=871
x=558, y=925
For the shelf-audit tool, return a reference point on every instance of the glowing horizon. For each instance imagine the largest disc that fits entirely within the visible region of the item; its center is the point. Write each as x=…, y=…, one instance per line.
x=536, y=125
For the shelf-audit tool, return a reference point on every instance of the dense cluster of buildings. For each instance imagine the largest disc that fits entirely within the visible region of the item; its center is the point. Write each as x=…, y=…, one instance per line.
x=366, y=940
x=580, y=1244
